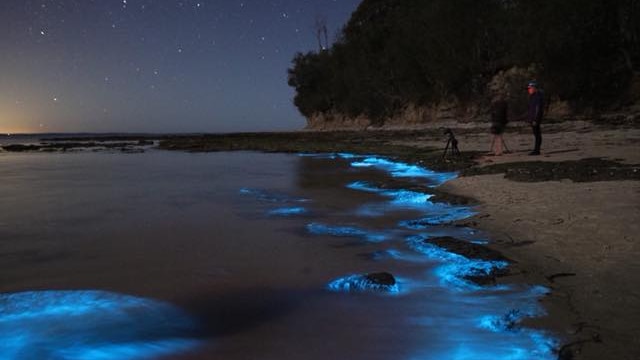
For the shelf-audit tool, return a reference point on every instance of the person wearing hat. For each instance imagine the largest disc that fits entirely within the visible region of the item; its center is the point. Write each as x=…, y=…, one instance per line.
x=535, y=113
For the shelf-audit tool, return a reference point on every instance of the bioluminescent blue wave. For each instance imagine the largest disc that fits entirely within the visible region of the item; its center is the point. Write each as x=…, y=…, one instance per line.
x=435, y=213
x=142, y=350
x=510, y=319
x=400, y=169
x=345, y=231
x=401, y=198
x=454, y=267
x=360, y=283
x=531, y=345
x=288, y=211
x=91, y=325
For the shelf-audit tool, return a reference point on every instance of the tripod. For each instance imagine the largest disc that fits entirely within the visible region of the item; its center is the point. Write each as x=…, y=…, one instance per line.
x=453, y=142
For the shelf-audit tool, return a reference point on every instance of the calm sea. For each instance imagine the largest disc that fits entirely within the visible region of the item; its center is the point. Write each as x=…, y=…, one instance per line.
x=242, y=256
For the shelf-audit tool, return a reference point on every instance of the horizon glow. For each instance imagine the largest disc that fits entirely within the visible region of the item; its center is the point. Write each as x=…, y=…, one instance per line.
x=155, y=66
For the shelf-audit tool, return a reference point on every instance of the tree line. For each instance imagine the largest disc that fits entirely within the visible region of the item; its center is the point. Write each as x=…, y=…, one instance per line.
x=395, y=53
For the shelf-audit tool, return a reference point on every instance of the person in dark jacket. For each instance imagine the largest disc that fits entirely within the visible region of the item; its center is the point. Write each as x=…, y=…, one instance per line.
x=535, y=114
x=498, y=123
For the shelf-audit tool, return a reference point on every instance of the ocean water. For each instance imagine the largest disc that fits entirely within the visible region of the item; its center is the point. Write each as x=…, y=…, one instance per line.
x=169, y=255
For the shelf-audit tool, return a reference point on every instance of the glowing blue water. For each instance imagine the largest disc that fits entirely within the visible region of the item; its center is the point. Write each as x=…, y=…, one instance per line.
x=356, y=282
x=345, y=231
x=454, y=268
x=434, y=213
x=179, y=228
x=511, y=341
x=400, y=169
x=90, y=325
x=288, y=211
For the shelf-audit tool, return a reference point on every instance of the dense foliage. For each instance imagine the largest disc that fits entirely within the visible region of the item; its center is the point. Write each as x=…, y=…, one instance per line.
x=395, y=53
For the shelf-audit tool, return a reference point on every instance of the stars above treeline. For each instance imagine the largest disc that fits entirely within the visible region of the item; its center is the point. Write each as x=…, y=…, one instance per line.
x=49, y=15
x=128, y=55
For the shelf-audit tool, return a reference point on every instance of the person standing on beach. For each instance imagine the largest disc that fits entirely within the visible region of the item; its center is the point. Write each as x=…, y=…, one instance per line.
x=535, y=113
x=498, y=123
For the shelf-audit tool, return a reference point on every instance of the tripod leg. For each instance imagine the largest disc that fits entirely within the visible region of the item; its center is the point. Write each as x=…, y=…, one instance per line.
x=444, y=154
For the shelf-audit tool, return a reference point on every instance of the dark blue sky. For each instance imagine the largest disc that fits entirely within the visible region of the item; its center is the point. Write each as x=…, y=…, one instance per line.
x=155, y=65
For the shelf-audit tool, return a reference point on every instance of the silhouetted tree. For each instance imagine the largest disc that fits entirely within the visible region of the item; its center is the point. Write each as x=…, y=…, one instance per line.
x=393, y=53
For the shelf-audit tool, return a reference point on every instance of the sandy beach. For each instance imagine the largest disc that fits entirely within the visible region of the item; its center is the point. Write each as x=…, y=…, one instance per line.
x=579, y=238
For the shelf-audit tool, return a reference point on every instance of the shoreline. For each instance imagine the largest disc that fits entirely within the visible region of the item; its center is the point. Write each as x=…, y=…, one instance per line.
x=571, y=229
x=594, y=324
x=569, y=218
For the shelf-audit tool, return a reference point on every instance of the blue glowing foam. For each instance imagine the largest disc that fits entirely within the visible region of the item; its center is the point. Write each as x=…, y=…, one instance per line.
x=90, y=325
x=360, y=283
x=435, y=213
x=400, y=169
x=454, y=267
x=290, y=211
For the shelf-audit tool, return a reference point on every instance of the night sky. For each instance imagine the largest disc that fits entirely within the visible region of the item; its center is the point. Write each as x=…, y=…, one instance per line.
x=155, y=65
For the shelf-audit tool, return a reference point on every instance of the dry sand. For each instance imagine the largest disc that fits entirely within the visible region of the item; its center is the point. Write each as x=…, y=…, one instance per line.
x=581, y=239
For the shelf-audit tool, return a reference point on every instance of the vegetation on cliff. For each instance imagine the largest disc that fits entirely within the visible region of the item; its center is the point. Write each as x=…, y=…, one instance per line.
x=393, y=54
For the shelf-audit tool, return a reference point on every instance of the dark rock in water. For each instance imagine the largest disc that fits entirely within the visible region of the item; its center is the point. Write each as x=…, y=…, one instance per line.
x=381, y=282
x=381, y=278
x=467, y=249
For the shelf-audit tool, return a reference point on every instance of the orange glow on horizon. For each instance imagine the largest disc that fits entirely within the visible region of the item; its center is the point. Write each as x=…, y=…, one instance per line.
x=12, y=123
x=20, y=129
